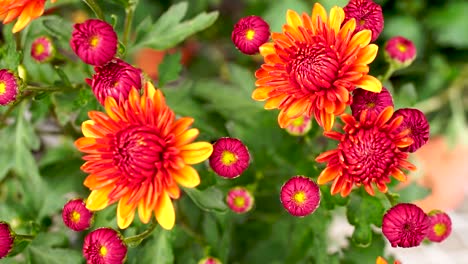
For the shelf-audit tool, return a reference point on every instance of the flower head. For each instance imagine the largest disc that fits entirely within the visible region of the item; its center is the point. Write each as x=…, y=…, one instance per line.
x=400, y=50
x=115, y=78
x=9, y=87
x=368, y=15
x=250, y=33
x=368, y=153
x=374, y=103
x=299, y=126
x=209, y=260
x=42, y=49
x=94, y=41
x=230, y=157
x=7, y=238
x=300, y=196
x=418, y=126
x=240, y=200
x=440, y=226
x=313, y=65
x=76, y=216
x=405, y=225
x=23, y=10
x=104, y=246
x=137, y=153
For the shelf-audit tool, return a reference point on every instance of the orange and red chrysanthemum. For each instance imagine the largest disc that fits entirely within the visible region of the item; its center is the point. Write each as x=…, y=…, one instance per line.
x=137, y=154
x=313, y=65
x=24, y=10
x=368, y=153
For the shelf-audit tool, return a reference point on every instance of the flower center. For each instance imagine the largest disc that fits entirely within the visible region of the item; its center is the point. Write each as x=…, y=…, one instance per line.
x=239, y=201
x=298, y=121
x=440, y=229
x=402, y=47
x=75, y=217
x=313, y=66
x=299, y=197
x=2, y=87
x=103, y=251
x=362, y=22
x=370, y=104
x=250, y=34
x=93, y=41
x=39, y=48
x=228, y=158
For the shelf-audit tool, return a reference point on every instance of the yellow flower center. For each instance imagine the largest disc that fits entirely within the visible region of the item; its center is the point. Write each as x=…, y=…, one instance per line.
x=103, y=251
x=371, y=104
x=75, y=216
x=250, y=34
x=300, y=197
x=228, y=158
x=2, y=87
x=298, y=121
x=401, y=47
x=239, y=201
x=440, y=229
x=39, y=48
x=94, y=41
x=362, y=22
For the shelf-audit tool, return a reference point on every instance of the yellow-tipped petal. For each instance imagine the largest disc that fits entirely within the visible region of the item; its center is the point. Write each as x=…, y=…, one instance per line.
x=99, y=199
x=150, y=90
x=367, y=54
x=362, y=38
x=88, y=129
x=144, y=212
x=369, y=83
x=261, y=94
x=181, y=125
x=274, y=102
x=125, y=212
x=337, y=16
x=111, y=106
x=327, y=120
x=267, y=48
x=398, y=174
x=164, y=211
x=187, y=177
x=187, y=137
x=293, y=19
x=196, y=152
x=329, y=174
x=318, y=11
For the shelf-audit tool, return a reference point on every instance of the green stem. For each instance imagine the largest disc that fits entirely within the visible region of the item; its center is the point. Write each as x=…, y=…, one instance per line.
x=43, y=88
x=19, y=238
x=135, y=240
x=392, y=198
x=95, y=7
x=391, y=69
x=12, y=107
x=129, y=13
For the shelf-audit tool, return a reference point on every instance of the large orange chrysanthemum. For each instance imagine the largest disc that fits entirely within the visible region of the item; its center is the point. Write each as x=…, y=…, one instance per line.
x=137, y=153
x=24, y=10
x=312, y=66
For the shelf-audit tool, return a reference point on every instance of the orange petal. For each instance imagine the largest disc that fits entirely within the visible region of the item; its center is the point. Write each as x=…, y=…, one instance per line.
x=297, y=109
x=187, y=177
x=362, y=38
x=369, y=83
x=274, y=102
x=125, y=212
x=293, y=19
x=326, y=156
x=164, y=211
x=187, y=137
x=111, y=106
x=382, y=187
x=398, y=174
x=384, y=116
x=196, y=152
x=89, y=130
x=85, y=142
x=318, y=11
x=337, y=16
x=369, y=189
x=267, y=49
x=94, y=182
x=327, y=120
x=380, y=260
x=261, y=94
x=367, y=54
x=98, y=199
x=404, y=142
x=346, y=189
x=337, y=185
x=181, y=125
x=329, y=174
x=348, y=27
x=144, y=212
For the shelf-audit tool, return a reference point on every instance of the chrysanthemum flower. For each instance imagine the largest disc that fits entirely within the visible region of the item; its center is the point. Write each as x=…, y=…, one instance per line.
x=374, y=103
x=381, y=260
x=76, y=216
x=230, y=157
x=416, y=122
x=300, y=196
x=94, y=41
x=299, y=126
x=115, y=78
x=209, y=260
x=137, y=153
x=405, y=225
x=368, y=15
x=368, y=153
x=313, y=65
x=440, y=226
x=250, y=33
x=9, y=87
x=104, y=246
x=7, y=239
x=42, y=49
x=400, y=50
x=23, y=10
x=240, y=200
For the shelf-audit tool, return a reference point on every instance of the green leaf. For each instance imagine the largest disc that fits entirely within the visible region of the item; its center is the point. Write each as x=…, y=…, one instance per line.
x=9, y=57
x=169, y=69
x=358, y=255
x=41, y=255
x=449, y=24
x=365, y=209
x=159, y=249
x=413, y=192
x=58, y=27
x=362, y=235
x=211, y=199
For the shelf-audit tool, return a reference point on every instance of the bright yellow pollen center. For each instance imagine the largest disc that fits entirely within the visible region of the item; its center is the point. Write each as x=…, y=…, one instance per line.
x=250, y=34
x=94, y=41
x=300, y=197
x=228, y=158
x=440, y=229
x=239, y=201
x=39, y=48
x=371, y=104
x=2, y=87
x=103, y=251
x=401, y=47
x=75, y=216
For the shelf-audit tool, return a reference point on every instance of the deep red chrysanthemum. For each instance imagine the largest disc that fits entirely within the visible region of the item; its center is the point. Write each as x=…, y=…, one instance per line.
x=137, y=154
x=368, y=153
x=299, y=126
x=240, y=200
x=405, y=225
x=209, y=260
x=23, y=10
x=7, y=239
x=400, y=50
x=9, y=87
x=94, y=41
x=250, y=33
x=115, y=78
x=230, y=157
x=300, y=196
x=104, y=246
x=440, y=226
x=374, y=103
x=76, y=216
x=416, y=122
x=42, y=49
x=368, y=15
x=311, y=68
